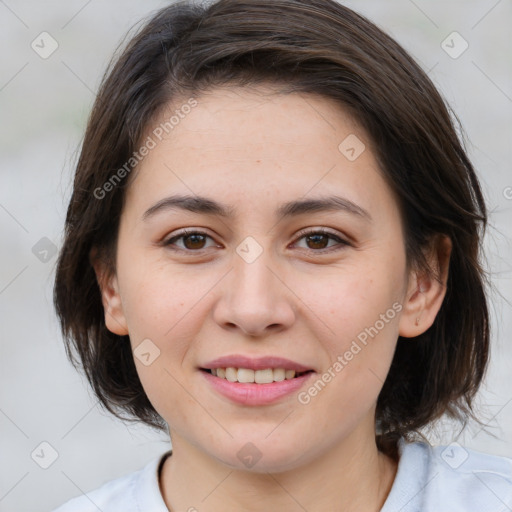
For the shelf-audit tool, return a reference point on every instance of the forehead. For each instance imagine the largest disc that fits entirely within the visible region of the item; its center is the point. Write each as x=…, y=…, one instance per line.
x=251, y=145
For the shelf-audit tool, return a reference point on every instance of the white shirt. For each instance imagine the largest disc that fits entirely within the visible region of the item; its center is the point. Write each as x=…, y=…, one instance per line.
x=429, y=479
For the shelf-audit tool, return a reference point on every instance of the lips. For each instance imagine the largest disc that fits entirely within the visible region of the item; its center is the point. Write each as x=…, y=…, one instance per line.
x=255, y=381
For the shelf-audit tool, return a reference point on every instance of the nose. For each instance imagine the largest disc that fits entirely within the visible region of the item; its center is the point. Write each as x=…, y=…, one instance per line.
x=255, y=298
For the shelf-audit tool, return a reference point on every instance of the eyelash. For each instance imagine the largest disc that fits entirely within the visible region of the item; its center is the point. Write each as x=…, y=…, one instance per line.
x=184, y=234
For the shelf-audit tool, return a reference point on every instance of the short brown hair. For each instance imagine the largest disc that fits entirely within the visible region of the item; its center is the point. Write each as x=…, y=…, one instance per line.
x=309, y=46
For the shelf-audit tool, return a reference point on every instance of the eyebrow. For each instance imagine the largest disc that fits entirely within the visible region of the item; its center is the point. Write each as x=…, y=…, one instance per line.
x=206, y=206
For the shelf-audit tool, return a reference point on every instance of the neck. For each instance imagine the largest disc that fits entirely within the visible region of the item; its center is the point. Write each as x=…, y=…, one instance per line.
x=351, y=477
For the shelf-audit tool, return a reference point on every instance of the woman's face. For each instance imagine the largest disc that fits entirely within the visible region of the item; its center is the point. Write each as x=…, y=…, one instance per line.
x=261, y=281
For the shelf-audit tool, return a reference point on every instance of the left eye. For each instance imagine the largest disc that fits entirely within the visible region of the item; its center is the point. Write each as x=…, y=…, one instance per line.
x=320, y=237
x=194, y=241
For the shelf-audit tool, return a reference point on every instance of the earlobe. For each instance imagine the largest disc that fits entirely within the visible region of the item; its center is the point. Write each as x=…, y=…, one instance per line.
x=426, y=291
x=115, y=320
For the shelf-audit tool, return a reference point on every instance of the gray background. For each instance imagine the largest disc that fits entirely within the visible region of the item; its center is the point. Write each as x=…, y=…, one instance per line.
x=44, y=105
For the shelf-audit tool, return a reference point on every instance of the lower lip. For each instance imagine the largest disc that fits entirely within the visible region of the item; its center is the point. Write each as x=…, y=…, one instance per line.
x=255, y=394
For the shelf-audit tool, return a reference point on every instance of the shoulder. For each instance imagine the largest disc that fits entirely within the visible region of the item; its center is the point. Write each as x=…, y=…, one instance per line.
x=108, y=498
x=452, y=478
x=113, y=496
x=124, y=494
x=478, y=481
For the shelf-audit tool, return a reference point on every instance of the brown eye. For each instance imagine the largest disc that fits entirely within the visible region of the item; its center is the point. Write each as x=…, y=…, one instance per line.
x=191, y=241
x=194, y=241
x=319, y=239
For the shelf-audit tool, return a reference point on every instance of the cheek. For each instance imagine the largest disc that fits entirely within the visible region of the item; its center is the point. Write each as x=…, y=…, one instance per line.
x=353, y=298
x=359, y=355
x=155, y=298
x=162, y=304
x=361, y=306
x=160, y=310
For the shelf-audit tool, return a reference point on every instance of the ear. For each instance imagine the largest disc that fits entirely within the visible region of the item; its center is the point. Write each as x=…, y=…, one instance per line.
x=425, y=293
x=115, y=320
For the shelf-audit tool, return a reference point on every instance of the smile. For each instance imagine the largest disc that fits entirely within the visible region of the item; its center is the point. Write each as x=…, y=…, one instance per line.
x=247, y=375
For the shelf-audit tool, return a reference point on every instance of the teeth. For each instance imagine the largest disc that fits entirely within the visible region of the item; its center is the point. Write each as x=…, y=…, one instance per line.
x=231, y=374
x=264, y=376
x=247, y=375
x=280, y=374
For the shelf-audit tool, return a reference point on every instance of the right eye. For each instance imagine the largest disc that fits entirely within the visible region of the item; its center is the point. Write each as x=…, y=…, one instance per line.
x=193, y=241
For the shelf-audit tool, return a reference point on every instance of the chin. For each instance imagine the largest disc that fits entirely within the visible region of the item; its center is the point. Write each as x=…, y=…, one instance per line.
x=261, y=455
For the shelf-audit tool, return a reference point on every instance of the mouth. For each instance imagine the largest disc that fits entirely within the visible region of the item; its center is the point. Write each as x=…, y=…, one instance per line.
x=250, y=381
x=255, y=381
x=250, y=376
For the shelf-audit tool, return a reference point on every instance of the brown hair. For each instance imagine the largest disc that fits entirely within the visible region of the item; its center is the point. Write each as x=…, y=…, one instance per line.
x=309, y=46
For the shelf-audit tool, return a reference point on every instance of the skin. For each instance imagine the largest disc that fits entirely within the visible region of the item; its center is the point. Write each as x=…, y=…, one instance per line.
x=254, y=149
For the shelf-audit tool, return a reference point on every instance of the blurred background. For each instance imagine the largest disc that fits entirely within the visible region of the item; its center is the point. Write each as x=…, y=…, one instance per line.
x=52, y=58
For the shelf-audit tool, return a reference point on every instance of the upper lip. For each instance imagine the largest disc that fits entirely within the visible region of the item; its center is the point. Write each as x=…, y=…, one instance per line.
x=255, y=363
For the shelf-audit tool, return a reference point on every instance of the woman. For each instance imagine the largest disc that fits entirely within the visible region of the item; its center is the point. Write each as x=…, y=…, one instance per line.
x=272, y=250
